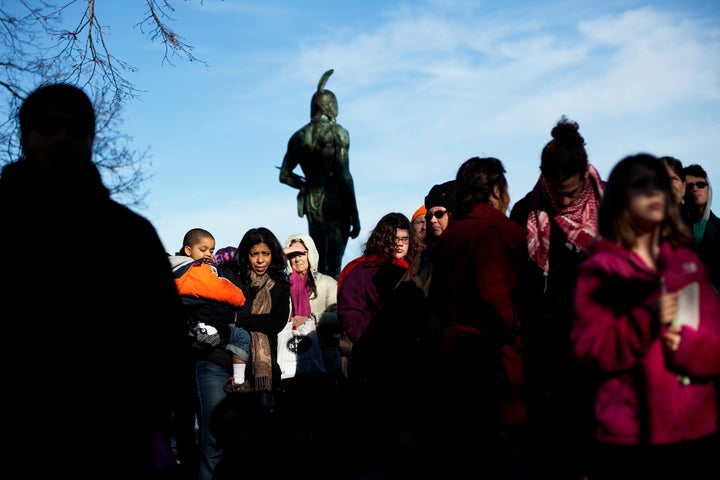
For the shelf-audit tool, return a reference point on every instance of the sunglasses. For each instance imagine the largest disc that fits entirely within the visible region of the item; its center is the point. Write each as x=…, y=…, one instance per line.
x=437, y=214
x=690, y=185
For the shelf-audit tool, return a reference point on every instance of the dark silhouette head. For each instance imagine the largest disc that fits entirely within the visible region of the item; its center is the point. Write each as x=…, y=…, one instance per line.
x=57, y=126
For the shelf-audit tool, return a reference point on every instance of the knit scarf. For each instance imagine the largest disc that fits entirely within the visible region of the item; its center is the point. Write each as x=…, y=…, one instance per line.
x=300, y=294
x=578, y=221
x=260, y=346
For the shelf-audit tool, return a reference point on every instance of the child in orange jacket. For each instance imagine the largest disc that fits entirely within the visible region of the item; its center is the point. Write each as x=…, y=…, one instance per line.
x=211, y=301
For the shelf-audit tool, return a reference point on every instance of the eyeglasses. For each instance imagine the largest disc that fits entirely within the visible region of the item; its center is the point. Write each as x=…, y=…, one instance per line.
x=437, y=214
x=403, y=240
x=690, y=185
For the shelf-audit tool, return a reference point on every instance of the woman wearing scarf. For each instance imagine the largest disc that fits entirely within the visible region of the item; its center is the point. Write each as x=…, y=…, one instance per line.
x=314, y=297
x=560, y=214
x=258, y=268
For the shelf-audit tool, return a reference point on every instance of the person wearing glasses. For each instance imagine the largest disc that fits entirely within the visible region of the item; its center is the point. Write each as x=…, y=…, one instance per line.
x=703, y=222
x=560, y=215
x=366, y=281
x=411, y=333
x=438, y=215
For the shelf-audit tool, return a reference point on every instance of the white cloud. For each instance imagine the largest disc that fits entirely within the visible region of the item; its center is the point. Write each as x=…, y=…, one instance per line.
x=421, y=89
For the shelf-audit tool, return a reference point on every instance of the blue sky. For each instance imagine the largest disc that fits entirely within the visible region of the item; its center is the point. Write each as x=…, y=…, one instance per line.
x=421, y=85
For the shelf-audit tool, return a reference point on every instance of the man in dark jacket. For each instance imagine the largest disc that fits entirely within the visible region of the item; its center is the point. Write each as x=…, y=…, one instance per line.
x=704, y=224
x=88, y=297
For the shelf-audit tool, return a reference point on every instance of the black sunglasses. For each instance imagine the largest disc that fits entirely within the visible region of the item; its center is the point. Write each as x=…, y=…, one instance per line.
x=437, y=214
x=690, y=185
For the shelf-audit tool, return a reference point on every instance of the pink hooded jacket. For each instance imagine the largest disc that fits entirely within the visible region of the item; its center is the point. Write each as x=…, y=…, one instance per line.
x=640, y=397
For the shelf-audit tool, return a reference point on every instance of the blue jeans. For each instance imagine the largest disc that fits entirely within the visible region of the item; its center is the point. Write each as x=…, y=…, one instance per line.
x=211, y=378
x=239, y=342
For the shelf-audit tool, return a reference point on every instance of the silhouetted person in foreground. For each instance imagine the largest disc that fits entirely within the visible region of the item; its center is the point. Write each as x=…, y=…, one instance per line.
x=327, y=193
x=88, y=300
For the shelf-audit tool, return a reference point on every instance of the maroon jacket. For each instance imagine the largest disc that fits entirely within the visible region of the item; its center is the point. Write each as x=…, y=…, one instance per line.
x=475, y=274
x=475, y=278
x=640, y=398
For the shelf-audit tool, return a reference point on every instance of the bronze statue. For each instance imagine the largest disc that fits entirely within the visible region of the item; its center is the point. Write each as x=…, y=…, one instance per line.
x=326, y=193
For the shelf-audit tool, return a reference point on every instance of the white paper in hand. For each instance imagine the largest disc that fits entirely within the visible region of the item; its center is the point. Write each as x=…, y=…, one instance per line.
x=688, y=306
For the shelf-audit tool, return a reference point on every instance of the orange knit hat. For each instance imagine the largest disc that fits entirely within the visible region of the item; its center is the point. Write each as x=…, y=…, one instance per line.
x=419, y=212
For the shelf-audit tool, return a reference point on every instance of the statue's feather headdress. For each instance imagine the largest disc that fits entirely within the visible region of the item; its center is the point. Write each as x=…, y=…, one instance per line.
x=323, y=80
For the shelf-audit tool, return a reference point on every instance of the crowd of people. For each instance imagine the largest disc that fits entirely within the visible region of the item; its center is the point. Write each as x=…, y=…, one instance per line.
x=576, y=336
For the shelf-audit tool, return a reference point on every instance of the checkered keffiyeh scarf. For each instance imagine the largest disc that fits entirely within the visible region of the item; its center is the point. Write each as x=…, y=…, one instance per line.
x=260, y=345
x=578, y=221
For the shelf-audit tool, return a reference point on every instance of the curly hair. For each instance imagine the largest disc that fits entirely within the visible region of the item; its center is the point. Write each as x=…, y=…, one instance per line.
x=382, y=240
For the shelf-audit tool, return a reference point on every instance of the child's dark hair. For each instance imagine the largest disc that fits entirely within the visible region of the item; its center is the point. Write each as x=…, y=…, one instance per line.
x=564, y=156
x=193, y=237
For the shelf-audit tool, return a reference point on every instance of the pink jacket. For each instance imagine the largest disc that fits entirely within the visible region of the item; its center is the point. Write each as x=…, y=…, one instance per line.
x=640, y=398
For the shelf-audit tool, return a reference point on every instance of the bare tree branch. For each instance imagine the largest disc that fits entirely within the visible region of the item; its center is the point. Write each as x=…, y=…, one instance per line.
x=38, y=47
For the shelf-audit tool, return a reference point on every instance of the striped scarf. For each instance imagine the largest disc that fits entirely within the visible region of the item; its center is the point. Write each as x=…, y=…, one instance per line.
x=578, y=221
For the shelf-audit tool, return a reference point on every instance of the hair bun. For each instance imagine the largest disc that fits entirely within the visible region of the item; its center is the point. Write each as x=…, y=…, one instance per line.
x=567, y=131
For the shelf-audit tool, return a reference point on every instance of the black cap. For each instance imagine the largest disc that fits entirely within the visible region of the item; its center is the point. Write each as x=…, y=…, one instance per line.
x=441, y=195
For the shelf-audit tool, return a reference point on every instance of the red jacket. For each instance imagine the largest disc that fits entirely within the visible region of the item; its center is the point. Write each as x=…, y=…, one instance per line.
x=474, y=282
x=640, y=398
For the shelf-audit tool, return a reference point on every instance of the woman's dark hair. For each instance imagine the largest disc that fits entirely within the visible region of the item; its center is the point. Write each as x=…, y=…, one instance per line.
x=241, y=265
x=475, y=181
x=382, y=239
x=564, y=156
x=614, y=219
x=675, y=165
